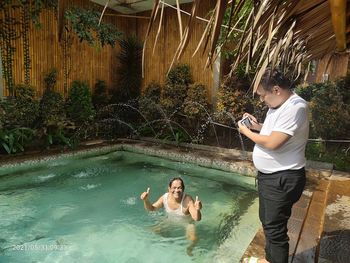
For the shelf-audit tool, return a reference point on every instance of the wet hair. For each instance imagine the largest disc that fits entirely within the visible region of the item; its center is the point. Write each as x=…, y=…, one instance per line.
x=275, y=78
x=179, y=179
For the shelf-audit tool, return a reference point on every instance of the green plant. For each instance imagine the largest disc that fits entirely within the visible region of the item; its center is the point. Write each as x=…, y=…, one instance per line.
x=180, y=74
x=85, y=23
x=9, y=21
x=129, y=71
x=149, y=101
x=307, y=91
x=337, y=154
x=100, y=97
x=51, y=107
x=330, y=112
x=196, y=103
x=22, y=110
x=50, y=79
x=180, y=136
x=175, y=89
x=14, y=140
x=233, y=100
x=79, y=103
x=58, y=132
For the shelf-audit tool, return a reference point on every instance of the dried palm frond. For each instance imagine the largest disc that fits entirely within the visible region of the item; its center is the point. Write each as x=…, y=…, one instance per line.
x=178, y=10
x=206, y=34
x=151, y=21
x=188, y=29
x=104, y=9
x=159, y=28
x=219, y=14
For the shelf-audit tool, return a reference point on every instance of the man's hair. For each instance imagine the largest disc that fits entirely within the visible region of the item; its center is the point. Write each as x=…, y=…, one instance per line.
x=175, y=179
x=275, y=78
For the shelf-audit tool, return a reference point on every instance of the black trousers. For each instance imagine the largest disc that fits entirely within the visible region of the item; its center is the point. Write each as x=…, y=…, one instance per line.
x=277, y=194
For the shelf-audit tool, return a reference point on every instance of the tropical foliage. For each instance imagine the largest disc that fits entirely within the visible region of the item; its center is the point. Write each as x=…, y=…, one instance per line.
x=85, y=23
x=196, y=102
x=79, y=103
x=129, y=71
x=330, y=108
x=175, y=89
x=149, y=101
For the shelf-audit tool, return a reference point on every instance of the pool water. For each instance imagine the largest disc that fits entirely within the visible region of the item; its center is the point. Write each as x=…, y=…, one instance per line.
x=87, y=208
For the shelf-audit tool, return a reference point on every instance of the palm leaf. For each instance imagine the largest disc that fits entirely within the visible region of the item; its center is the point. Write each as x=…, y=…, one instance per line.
x=178, y=10
x=159, y=28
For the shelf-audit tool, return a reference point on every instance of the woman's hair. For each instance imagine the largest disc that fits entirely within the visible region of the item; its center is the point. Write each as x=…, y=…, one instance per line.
x=175, y=179
x=275, y=78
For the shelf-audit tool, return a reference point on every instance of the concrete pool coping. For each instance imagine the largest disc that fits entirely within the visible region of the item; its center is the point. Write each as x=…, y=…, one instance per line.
x=230, y=160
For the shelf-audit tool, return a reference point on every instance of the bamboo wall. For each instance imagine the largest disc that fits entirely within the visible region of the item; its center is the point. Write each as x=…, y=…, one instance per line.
x=90, y=63
x=86, y=62
x=157, y=64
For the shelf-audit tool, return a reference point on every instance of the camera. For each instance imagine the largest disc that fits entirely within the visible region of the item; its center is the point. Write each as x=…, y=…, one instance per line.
x=246, y=121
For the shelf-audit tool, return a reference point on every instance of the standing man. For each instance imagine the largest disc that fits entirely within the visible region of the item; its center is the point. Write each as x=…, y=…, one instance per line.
x=279, y=156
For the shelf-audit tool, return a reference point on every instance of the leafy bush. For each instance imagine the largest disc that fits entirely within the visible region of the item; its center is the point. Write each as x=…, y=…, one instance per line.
x=175, y=90
x=85, y=23
x=343, y=85
x=196, y=102
x=180, y=74
x=149, y=100
x=51, y=107
x=234, y=99
x=100, y=97
x=22, y=110
x=330, y=112
x=79, y=103
x=14, y=140
x=335, y=153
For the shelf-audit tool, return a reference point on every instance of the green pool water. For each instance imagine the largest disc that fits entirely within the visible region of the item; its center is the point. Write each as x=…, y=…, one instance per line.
x=88, y=209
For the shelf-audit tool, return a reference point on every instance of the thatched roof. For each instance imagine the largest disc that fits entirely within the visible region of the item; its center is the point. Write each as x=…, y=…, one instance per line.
x=285, y=34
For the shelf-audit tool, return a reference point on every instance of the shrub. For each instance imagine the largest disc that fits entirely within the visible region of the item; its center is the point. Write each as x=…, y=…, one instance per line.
x=307, y=92
x=175, y=90
x=180, y=74
x=234, y=99
x=149, y=101
x=22, y=110
x=14, y=140
x=100, y=97
x=79, y=103
x=196, y=102
x=51, y=107
x=330, y=112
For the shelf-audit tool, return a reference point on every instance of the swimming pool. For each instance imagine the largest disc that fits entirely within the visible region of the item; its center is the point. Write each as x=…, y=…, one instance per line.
x=87, y=208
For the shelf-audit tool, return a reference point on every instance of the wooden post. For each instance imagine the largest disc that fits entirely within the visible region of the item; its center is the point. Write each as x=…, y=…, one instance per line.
x=338, y=11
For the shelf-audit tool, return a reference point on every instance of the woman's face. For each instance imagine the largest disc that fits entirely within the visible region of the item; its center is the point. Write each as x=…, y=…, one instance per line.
x=176, y=189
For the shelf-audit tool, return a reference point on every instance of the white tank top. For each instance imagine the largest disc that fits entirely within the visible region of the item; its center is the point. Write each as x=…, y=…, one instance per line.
x=177, y=211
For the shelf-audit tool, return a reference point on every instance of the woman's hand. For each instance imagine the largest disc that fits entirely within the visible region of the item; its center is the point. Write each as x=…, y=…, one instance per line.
x=197, y=204
x=144, y=195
